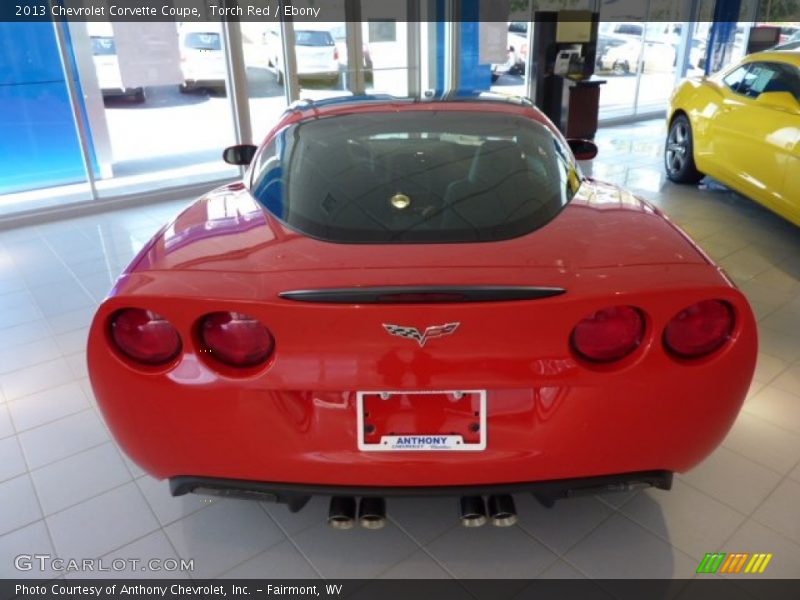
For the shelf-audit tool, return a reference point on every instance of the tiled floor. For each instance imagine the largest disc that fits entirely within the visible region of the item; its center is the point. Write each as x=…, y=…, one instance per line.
x=67, y=490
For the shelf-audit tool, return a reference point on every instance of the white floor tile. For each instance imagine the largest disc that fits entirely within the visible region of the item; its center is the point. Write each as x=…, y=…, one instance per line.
x=314, y=513
x=19, y=315
x=223, y=535
x=167, y=508
x=71, y=320
x=27, y=541
x=19, y=504
x=620, y=548
x=561, y=570
x=764, y=443
x=789, y=380
x=768, y=367
x=35, y=378
x=116, y=518
x=6, y=427
x=781, y=511
x=776, y=406
x=562, y=526
x=47, y=406
x=20, y=356
x=72, y=341
x=356, y=553
x=62, y=438
x=77, y=363
x=733, y=480
x=472, y=553
x=26, y=333
x=753, y=537
x=424, y=519
x=81, y=476
x=780, y=344
x=417, y=566
x=12, y=462
x=282, y=561
x=686, y=518
x=154, y=557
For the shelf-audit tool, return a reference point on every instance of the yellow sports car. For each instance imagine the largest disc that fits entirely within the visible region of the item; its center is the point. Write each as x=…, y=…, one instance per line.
x=742, y=127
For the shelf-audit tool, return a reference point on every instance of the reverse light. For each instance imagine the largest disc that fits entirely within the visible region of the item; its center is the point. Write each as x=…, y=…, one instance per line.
x=608, y=334
x=699, y=329
x=236, y=339
x=145, y=336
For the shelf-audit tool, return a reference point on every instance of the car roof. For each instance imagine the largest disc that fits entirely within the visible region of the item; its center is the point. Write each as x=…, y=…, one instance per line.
x=788, y=55
x=463, y=101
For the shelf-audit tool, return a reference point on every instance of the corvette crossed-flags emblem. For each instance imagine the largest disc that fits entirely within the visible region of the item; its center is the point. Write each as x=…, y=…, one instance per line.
x=412, y=333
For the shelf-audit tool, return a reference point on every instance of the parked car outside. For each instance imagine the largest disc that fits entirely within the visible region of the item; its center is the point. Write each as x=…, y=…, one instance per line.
x=106, y=64
x=315, y=50
x=202, y=59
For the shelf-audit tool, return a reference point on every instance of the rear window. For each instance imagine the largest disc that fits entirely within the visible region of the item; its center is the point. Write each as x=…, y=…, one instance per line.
x=103, y=46
x=313, y=38
x=203, y=41
x=415, y=177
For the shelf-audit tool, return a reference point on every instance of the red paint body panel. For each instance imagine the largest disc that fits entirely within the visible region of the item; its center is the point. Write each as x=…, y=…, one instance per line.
x=550, y=416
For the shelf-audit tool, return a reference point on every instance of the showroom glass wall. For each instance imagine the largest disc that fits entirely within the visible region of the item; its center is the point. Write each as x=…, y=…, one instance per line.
x=142, y=109
x=117, y=111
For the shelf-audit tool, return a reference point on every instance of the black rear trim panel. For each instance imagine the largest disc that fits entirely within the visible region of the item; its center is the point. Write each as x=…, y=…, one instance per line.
x=422, y=294
x=296, y=495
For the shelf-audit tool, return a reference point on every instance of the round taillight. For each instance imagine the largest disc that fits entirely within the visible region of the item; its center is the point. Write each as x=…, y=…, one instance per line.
x=145, y=336
x=699, y=329
x=608, y=334
x=236, y=339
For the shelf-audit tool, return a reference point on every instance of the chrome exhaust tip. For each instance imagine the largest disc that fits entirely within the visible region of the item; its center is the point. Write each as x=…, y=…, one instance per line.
x=342, y=512
x=502, y=510
x=473, y=511
x=372, y=513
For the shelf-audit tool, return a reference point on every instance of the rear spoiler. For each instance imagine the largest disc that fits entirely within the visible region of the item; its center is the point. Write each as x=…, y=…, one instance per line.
x=422, y=294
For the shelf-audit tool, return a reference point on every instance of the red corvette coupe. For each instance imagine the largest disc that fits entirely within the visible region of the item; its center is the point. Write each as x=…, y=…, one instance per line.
x=413, y=298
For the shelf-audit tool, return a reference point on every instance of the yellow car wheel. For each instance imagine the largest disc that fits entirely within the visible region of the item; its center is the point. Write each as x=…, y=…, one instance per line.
x=679, y=152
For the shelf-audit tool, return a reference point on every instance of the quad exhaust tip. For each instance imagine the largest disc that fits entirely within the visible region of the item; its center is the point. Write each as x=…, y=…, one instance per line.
x=473, y=511
x=342, y=512
x=501, y=511
x=372, y=513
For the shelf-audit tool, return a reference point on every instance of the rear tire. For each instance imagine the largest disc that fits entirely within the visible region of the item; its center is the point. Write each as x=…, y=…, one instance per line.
x=139, y=96
x=679, y=152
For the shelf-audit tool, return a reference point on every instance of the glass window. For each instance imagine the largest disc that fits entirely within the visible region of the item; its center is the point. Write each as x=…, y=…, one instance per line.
x=313, y=38
x=770, y=77
x=154, y=99
x=786, y=78
x=203, y=41
x=103, y=46
x=382, y=31
x=416, y=176
x=733, y=79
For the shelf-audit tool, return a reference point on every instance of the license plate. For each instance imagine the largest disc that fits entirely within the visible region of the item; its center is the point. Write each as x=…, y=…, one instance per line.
x=433, y=421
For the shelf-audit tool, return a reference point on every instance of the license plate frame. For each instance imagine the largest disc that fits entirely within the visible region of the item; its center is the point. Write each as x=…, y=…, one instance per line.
x=392, y=443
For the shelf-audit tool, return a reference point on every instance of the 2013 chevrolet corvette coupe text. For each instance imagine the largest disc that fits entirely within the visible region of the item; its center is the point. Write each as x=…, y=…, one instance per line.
x=411, y=298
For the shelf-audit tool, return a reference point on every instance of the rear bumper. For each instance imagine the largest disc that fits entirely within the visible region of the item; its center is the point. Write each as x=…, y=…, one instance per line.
x=549, y=416
x=296, y=495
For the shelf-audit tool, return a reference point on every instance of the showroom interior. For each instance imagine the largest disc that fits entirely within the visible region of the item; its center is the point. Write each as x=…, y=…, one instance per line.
x=108, y=134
